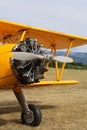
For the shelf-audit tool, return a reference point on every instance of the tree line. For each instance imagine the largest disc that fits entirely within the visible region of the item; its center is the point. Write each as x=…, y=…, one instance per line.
x=74, y=65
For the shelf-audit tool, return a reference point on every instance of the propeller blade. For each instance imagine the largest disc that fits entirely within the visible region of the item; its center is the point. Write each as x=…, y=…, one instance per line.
x=30, y=56
x=63, y=59
x=26, y=56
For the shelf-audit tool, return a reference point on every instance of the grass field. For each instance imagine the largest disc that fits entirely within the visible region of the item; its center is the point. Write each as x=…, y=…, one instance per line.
x=63, y=107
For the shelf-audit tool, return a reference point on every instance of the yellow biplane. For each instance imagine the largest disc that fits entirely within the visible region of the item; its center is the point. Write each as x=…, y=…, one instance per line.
x=23, y=61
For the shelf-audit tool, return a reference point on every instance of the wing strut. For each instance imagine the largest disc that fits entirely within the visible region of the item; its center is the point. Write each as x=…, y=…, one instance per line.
x=22, y=35
x=67, y=53
x=53, y=51
x=56, y=65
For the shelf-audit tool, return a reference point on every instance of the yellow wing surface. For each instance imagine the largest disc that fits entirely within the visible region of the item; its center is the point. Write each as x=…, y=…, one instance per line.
x=10, y=33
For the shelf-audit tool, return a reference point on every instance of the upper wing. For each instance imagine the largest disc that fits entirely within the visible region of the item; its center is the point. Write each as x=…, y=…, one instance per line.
x=10, y=32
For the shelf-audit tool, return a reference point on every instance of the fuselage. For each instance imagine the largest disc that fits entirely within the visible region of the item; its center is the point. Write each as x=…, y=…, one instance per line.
x=7, y=78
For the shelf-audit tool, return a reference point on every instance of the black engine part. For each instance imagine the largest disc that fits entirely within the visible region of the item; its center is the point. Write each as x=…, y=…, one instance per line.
x=28, y=71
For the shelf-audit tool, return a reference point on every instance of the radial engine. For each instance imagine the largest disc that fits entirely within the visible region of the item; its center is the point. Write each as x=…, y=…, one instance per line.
x=31, y=71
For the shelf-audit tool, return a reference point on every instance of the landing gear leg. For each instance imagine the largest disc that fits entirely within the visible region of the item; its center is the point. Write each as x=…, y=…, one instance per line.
x=31, y=114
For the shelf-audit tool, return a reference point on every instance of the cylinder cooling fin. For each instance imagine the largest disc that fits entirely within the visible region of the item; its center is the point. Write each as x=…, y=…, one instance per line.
x=28, y=71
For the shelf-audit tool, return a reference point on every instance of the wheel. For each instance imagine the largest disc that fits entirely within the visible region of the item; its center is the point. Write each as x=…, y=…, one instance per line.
x=32, y=118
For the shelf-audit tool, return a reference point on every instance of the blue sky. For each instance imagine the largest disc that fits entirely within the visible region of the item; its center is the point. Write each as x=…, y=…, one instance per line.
x=63, y=16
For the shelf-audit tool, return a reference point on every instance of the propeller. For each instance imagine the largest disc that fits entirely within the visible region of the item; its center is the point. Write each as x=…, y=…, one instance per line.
x=26, y=56
x=63, y=59
x=31, y=56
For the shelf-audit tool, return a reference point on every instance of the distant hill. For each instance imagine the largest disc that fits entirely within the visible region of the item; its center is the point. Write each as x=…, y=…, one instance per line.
x=77, y=56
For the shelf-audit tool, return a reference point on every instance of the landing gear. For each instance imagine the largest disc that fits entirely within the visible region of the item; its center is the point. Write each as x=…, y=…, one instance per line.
x=31, y=114
x=32, y=118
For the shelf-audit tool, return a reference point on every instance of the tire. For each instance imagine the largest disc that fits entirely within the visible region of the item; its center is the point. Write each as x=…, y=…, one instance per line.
x=34, y=119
